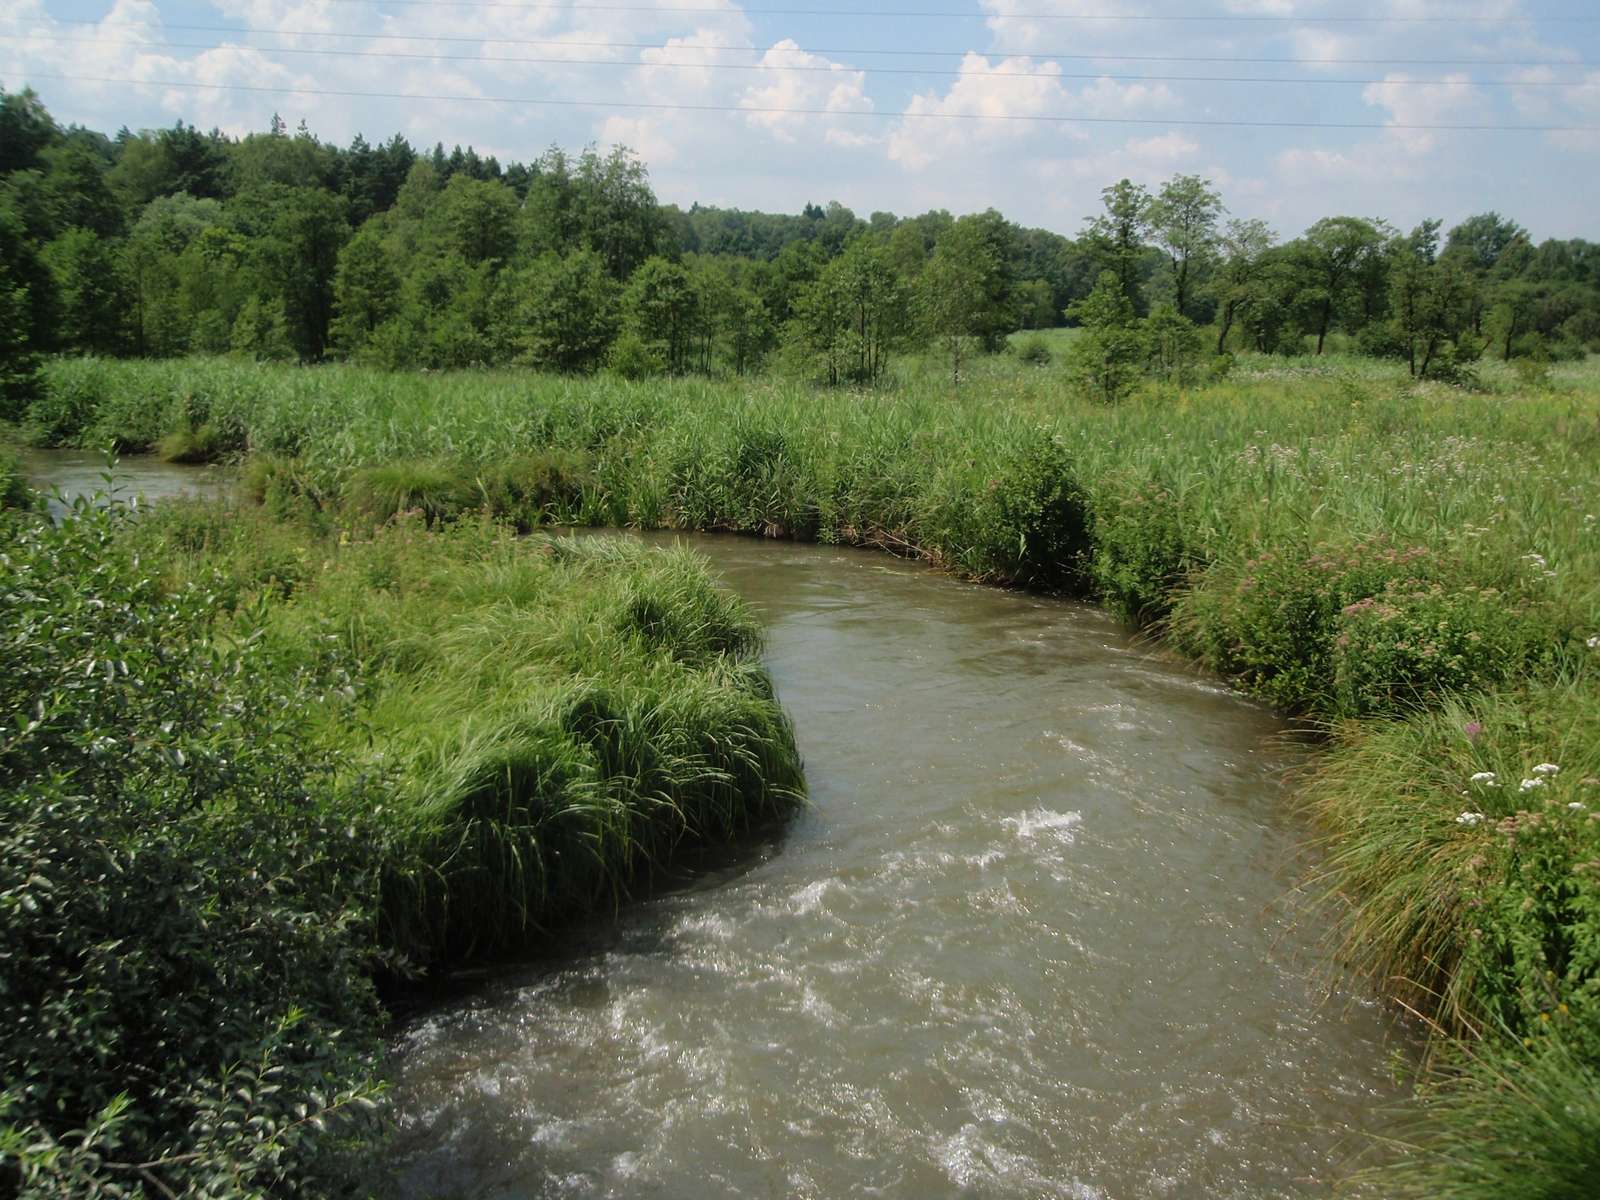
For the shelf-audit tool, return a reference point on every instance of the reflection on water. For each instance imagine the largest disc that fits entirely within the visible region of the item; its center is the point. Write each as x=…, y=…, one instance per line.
x=1029, y=940
x=67, y=474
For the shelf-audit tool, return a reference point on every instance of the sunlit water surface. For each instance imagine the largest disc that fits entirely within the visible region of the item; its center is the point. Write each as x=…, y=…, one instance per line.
x=1030, y=939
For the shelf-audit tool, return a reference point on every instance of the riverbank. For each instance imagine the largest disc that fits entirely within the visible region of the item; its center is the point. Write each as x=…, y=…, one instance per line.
x=257, y=768
x=1380, y=558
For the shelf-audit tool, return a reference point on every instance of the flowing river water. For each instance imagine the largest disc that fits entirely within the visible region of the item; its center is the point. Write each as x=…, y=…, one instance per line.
x=1030, y=938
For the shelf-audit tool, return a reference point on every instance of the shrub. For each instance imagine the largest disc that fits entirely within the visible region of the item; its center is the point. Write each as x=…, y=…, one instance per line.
x=1361, y=628
x=1034, y=350
x=1141, y=551
x=185, y=906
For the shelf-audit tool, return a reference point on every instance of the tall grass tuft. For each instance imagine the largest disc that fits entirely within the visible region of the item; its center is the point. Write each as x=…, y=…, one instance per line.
x=555, y=718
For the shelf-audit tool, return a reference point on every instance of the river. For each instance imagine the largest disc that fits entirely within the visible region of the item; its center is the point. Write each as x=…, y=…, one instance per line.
x=1032, y=937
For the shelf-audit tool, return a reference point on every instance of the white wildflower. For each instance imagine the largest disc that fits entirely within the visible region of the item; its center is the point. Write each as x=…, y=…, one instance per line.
x=1528, y=785
x=1576, y=805
x=1469, y=818
x=1482, y=777
x=1547, y=769
x=1594, y=642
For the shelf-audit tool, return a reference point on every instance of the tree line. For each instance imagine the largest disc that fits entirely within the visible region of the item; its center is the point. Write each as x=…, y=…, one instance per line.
x=277, y=245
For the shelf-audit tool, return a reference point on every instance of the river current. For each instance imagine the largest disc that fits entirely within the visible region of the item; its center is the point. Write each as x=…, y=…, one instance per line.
x=1034, y=936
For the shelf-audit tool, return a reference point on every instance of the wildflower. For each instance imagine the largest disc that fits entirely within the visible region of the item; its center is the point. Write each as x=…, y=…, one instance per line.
x=1594, y=642
x=1469, y=819
x=1576, y=805
x=1528, y=785
x=1547, y=769
x=1472, y=729
x=1482, y=777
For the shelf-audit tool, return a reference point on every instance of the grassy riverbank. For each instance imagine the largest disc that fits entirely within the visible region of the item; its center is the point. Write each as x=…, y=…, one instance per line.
x=253, y=769
x=1416, y=568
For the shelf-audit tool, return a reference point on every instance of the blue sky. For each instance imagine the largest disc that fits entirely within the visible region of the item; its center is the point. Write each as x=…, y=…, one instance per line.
x=1507, y=63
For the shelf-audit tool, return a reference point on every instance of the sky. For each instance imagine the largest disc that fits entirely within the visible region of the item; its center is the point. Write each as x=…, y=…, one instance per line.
x=1294, y=109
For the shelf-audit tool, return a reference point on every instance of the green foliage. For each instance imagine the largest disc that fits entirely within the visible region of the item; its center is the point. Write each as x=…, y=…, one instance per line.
x=564, y=312
x=1174, y=343
x=852, y=316
x=14, y=489
x=1034, y=351
x=660, y=313
x=184, y=912
x=19, y=364
x=1142, y=554
x=1354, y=629
x=1107, y=359
x=92, y=291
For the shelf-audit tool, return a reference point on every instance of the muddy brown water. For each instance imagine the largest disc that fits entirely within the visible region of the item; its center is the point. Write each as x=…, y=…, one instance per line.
x=67, y=474
x=1031, y=938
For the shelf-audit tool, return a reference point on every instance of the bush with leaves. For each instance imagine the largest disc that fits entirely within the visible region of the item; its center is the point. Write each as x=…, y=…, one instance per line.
x=185, y=892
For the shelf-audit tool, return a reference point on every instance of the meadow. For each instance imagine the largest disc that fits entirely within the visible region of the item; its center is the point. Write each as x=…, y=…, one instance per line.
x=1411, y=569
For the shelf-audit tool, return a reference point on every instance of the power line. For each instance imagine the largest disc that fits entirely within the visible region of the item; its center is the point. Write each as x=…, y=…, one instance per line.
x=1065, y=56
x=950, y=14
x=764, y=67
x=1041, y=118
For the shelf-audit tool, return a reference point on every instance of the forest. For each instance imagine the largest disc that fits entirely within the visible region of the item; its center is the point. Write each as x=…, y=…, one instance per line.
x=279, y=246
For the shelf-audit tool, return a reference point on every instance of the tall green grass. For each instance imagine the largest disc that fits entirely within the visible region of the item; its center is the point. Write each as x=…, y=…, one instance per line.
x=1391, y=561
x=554, y=718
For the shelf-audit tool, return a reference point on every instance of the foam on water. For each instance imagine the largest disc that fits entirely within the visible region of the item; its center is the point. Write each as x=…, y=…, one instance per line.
x=937, y=982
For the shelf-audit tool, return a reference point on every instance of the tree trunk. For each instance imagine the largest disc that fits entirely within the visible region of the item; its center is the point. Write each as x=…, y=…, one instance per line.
x=1227, y=326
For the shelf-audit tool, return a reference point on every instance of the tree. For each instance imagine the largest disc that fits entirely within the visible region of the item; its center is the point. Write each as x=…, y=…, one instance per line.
x=1429, y=297
x=366, y=289
x=1182, y=220
x=617, y=211
x=1105, y=358
x=659, y=311
x=169, y=161
x=93, y=292
x=26, y=128
x=1241, y=274
x=854, y=314
x=475, y=219
x=19, y=364
x=1329, y=261
x=966, y=295
x=297, y=257
x=1173, y=343
x=1115, y=240
x=76, y=191
x=1479, y=241
x=564, y=312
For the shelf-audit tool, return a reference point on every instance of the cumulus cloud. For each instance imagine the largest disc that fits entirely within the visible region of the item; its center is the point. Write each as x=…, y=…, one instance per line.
x=729, y=122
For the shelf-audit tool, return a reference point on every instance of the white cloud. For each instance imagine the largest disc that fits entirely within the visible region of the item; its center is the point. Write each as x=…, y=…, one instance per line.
x=794, y=80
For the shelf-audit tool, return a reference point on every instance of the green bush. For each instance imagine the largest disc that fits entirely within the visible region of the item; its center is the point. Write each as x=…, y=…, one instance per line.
x=1141, y=552
x=1362, y=628
x=185, y=892
x=1034, y=351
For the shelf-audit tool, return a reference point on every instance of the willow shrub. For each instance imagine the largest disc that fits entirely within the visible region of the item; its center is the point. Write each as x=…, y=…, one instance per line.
x=186, y=912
